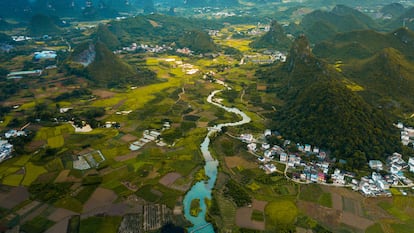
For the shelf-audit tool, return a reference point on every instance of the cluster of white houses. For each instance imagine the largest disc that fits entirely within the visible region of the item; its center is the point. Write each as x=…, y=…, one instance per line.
x=150, y=136
x=407, y=133
x=134, y=47
x=146, y=48
x=319, y=171
x=6, y=148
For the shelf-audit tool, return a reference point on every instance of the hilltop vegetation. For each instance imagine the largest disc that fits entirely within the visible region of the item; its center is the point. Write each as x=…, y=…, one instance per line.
x=389, y=76
x=365, y=43
x=43, y=25
x=404, y=19
x=106, y=37
x=97, y=63
x=198, y=41
x=319, y=109
x=393, y=10
x=320, y=25
x=275, y=38
x=157, y=28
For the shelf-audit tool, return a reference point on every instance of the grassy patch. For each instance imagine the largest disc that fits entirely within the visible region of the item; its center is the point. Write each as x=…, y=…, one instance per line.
x=253, y=186
x=147, y=193
x=376, y=228
x=70, y=203
x=310, y=193
x=257, y=216
x=281, y=211
x=37, y=225
x=86, y=192
x=56, y=141
x=54, y=165
x=195, y=207
x=107, y=224
x=32, y=172
x=394, y=211
x=326, y=200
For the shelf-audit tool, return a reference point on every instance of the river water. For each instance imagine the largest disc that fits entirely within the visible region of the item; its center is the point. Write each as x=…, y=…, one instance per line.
x=202, y=190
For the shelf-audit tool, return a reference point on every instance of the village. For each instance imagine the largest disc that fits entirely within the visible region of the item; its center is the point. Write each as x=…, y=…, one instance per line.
x=310, y=164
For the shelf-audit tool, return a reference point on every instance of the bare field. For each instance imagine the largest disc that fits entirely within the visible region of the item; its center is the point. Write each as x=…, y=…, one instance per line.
x=356, y=221
x=13, y=197
x=126, y=157
x=101, y=197
x=336, y=201
x=259, y=205
x=243, y=219
x=104, y=94
x=170, y=178
x=129, y=138
x=322, y=214
x=60, y=214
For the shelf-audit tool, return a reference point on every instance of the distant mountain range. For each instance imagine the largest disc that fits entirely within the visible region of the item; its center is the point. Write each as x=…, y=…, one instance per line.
x=365, y=43
x=321, y=25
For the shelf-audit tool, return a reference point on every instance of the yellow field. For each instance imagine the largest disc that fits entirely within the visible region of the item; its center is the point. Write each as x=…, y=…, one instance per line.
x=240, y=44
x=54, y=135
x=137, y=98
x=56, y=141
x=13, y=180
x=32, y=172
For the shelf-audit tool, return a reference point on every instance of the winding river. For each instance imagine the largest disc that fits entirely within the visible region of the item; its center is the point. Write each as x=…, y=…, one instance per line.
x=202, y=190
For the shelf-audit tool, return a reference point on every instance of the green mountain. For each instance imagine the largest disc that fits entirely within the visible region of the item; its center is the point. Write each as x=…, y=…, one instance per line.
x=107, y=37
x=393, y=10
x=43, y=25
x=388, y=79
x=104, y=69
x=321, y=25
x=275, y=38
x=198, y=41
x=4, y=25
x=320, y=110
x=406, y=19
x=364, y=44
x=158, y=29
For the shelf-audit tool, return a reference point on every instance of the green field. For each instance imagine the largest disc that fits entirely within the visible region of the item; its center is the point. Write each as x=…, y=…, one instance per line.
x=106, y=224
x=257, y=216
x=69, y=203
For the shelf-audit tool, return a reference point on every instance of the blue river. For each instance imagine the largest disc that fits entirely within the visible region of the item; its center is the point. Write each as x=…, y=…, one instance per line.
x=202, y=190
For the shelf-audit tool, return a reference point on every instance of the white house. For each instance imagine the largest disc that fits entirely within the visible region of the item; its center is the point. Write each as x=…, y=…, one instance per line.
x=411, y=164
x=268, y=153
x=270, y=168
x=283, y=157
x=265, y=146
x=375, y=164
x=248, y=138
x=252, y=146
x=267, y=132
x=308, y=148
